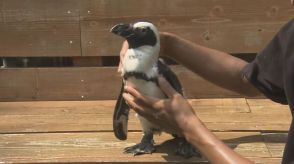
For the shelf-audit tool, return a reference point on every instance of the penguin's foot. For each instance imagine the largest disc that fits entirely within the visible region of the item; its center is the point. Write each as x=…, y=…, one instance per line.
x=186, y=150
x=140, y=148
x=146, y=146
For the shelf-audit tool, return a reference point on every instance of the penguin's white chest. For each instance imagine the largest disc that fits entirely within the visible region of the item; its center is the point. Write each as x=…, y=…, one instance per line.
x=148, y=88
x=142, y=60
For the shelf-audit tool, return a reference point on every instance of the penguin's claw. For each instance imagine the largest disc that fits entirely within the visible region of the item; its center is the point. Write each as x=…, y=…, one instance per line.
x=186, y=150
x=140, y=148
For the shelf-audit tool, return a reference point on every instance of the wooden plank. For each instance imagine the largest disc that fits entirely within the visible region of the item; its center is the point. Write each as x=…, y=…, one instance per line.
x=98, y=147
x=216, y=24
x=233, y=26
x=275, y=142
x=259, y=10
x=78, y=84
x=263, y=102
x=40, y=39
x=258, y=119
x=231, y=37
x=88, y=116
x=19, y=85
x=224, y=105
x=92, y=83
x=38, y=10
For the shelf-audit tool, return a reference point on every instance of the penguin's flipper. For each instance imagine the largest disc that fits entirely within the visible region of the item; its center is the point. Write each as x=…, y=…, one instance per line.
x=120, y=117
x=170, y=76
x=184, y=148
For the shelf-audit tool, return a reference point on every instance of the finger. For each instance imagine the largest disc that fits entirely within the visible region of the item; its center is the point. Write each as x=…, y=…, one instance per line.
x=124, y=48
x=137, y=95
x=166, y=87
x=151, y=102
x=141, y=110
x=131, y=90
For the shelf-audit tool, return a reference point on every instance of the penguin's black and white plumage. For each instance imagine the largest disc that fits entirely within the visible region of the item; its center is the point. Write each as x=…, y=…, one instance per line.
x=141, y=67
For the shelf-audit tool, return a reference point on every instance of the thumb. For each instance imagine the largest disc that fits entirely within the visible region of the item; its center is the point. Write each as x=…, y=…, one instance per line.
x=124, y=48
x=166, y=87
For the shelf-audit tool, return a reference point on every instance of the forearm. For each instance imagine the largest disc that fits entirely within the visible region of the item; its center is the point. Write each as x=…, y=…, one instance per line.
x=217, y=67
x=212, y=148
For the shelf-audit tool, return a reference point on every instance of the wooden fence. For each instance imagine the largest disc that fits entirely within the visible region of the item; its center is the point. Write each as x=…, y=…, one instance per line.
x=80, y=29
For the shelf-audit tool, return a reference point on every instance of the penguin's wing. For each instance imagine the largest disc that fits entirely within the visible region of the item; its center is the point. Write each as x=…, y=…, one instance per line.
x=170, y=76
x=121, y=116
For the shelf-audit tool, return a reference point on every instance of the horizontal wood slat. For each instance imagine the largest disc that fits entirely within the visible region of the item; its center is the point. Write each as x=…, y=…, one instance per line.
x=89, y=116
x=87, y=83
x=39, y=10
x=259, y=10
x=30, y=39
x=98, y=147
x=81, y=27
x=81, y=131
x=56, y=10
x=233, y=26
x=231, y=37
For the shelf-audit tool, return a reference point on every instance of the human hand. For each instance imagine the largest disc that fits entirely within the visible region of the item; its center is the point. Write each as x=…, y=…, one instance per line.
x=124, y=48
x=173, y=114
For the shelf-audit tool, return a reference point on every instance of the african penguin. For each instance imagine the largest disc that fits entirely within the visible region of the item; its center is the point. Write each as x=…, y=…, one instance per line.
x=141, y=67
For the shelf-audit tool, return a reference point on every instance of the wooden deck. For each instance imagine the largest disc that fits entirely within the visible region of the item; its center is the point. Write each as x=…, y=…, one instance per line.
x=81, y=131
x=60, y=121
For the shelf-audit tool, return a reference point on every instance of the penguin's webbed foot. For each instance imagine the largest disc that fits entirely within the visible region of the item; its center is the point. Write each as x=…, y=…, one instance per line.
x=186, y=150
x=146, y=146
x=140, y=148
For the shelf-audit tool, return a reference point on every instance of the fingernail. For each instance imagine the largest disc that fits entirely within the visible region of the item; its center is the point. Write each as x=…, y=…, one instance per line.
x=126, y=87
x=125, y=95
x=128, y=96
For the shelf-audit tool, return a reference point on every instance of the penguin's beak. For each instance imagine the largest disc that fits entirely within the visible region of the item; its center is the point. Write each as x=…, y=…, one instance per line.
x=123, y=30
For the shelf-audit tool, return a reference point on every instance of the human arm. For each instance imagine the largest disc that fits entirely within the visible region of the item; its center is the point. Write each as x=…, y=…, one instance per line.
x=176, y=115
x=217, y=67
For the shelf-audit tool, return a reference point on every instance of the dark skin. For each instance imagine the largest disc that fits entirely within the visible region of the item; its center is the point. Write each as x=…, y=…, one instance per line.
x=175, y=114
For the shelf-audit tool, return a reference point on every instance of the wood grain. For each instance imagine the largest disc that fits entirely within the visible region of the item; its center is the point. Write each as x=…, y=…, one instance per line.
x=81, y=27
x=88, y=83
x=19, y=39
x=98, y=147
x=80, y=131
x=39, y=10
x=232, y=37
x=76, y=116
x=232, y=26
x=242, y=10
x=20, y=85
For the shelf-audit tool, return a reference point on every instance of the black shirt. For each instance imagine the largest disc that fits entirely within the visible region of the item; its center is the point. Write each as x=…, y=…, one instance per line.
x=272, y=72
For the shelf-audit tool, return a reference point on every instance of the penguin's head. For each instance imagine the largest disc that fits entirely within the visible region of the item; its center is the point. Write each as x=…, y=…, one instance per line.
x=138, y=34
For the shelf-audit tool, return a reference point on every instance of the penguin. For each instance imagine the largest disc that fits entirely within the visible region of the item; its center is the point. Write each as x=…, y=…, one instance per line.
x=141, y=68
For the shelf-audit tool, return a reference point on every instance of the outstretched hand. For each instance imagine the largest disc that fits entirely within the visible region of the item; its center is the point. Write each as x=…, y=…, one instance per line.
x=171, y=114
